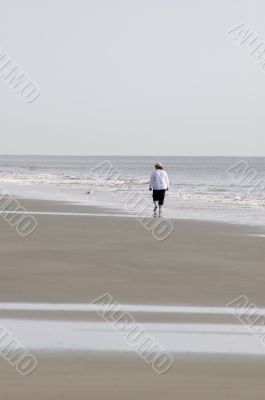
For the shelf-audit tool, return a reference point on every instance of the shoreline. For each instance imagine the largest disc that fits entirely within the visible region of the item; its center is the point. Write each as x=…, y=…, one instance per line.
x=69, y=208
x=82, y=200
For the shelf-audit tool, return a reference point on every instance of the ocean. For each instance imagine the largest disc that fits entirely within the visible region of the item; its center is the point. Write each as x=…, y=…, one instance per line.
x=226, y=189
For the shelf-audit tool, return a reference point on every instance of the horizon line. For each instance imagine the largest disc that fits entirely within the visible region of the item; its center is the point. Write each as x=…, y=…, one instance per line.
x=129, y=155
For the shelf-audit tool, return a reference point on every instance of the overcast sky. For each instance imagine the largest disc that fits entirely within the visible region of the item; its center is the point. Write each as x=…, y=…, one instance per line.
x=133, y=77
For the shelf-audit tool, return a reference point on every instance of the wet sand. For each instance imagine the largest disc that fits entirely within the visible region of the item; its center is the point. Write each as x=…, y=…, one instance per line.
x=75, y=259
x=95, y=377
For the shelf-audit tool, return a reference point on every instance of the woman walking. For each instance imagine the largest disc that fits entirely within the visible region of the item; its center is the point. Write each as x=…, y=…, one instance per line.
x=159, y=183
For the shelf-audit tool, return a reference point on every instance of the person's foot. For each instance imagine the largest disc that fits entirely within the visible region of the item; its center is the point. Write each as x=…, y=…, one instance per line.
x=160, y=214
x=155, y=211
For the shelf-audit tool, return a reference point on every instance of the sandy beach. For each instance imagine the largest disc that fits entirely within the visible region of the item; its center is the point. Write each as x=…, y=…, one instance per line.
x=132, y=200
x=77, y=259
x=73, y=259
x=81, y=377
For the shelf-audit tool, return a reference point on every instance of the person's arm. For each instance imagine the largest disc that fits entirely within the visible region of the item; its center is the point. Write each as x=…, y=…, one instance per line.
x=151, y=184
x=167, y=180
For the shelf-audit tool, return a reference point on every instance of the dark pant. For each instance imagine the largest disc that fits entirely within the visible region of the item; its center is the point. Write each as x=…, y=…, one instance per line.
x=159, y=195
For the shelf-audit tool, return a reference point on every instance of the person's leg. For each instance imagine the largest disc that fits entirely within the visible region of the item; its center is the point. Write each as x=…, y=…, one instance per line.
x=155, y=208
x=155, y=199
x=161, y=201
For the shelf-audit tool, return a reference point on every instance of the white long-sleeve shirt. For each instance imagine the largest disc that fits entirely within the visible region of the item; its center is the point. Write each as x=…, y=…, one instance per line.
x=159, y=180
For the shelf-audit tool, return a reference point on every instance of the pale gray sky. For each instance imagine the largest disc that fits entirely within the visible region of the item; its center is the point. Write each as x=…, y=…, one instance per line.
x=133, y=77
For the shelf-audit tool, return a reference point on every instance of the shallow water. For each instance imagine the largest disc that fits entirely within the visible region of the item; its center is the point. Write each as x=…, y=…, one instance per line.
x=78, y=334
x=201, y=187
x=100, y=336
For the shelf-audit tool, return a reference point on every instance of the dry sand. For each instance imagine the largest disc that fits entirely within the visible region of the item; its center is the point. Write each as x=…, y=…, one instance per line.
x=74, y=259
